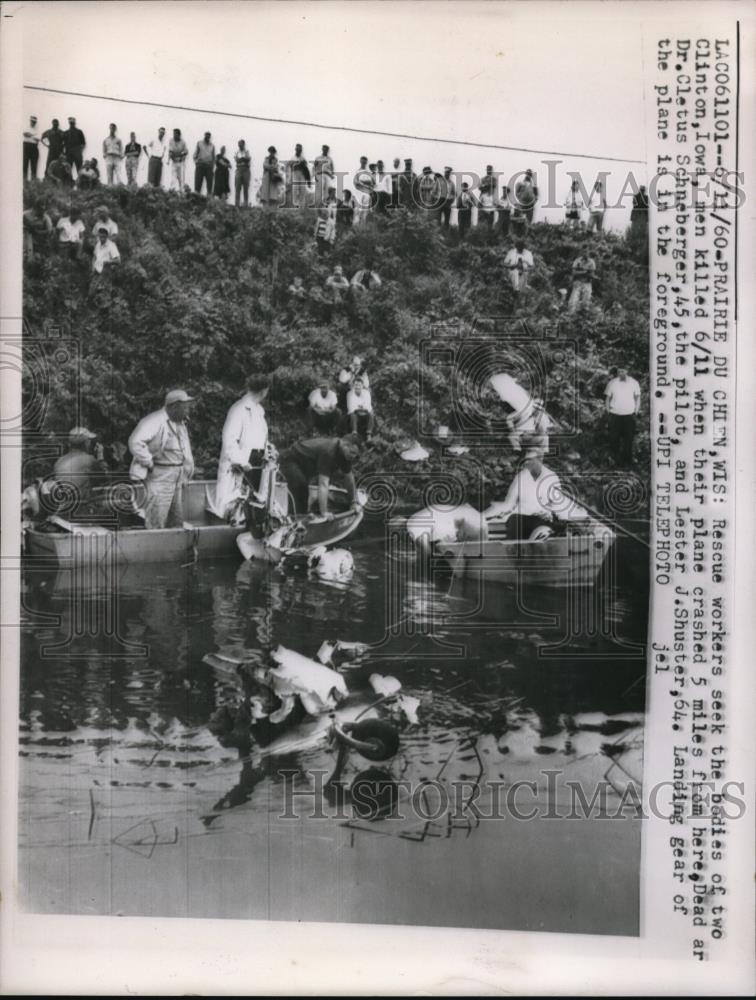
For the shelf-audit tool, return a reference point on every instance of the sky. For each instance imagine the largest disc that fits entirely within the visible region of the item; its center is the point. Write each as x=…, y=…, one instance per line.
x=564, y=78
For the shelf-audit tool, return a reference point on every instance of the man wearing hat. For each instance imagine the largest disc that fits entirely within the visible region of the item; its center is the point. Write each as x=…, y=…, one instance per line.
x=162, y=458
x=75, y=142
x=31, y=148
x=74, y=474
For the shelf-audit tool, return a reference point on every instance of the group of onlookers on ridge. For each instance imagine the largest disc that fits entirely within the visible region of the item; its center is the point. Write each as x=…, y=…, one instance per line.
x=370, y=189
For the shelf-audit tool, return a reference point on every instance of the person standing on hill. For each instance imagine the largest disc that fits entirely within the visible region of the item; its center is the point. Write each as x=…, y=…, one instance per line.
x=526, y=196
x=428, y=190
x=31, y=148
x=71, y=230
x=324, y=174
x=297, y=179
x=53, y=139
x=487, y=198
x=408, y=187
x=221, y=185
x=573, y=206
x=382, y=189
x=75, y=142
x=519, y=262
x=396, y=172
x=466, y=201
x=639, y=213
x=243, y=175
x=157, y=150
x=505, y=212
x=37, y=229
x=162, y=459
x=112, y=151
x=272, y=181
x=177, y=154
x=364, y=185
x=133, y=154
x=204, y=165
x=623, y=396
x=596, y=207
x=447, y=195
x=583, y=273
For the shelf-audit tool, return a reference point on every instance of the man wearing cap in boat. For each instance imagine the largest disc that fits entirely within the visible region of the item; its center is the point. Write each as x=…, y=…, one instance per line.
x=74, y=474
x=534, y=499
x=162, y=458
x=321, y=458
x=245, y=435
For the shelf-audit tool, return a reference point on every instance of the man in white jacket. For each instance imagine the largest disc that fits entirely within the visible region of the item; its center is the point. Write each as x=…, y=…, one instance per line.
x=245, y=435
x=162, y=457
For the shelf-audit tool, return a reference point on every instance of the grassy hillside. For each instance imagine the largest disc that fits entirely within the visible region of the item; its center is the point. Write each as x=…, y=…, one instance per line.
x=200, y=301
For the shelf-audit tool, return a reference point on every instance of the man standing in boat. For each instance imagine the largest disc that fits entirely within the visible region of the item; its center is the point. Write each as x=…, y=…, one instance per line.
x=245, y=435
x=534, y=499
x=162, y=458
x=321, y=458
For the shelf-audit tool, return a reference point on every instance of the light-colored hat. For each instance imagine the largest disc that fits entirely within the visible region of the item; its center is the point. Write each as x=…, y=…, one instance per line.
x=177, y=396
x=80, y=434
x=416, y=453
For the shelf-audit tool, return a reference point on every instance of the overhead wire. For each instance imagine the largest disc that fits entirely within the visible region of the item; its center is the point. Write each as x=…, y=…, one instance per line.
x=332, y=128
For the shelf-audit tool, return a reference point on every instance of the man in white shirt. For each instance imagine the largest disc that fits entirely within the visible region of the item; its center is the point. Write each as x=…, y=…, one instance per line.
x=323, y=413
x=31, y=148
x=105, y=252
x=245, y=435
x=162, y=459
x=71, y=231
x=364, y=185
x=534, y=499
x=112, y=150
x=360, y=409
x=177, y=154
x=519, y=262
x=597, y=207
x=623, y=397
x=104, y=221
x=157, y=150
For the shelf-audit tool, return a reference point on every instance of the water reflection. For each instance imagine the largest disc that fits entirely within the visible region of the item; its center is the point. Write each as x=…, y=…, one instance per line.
x=120, y=724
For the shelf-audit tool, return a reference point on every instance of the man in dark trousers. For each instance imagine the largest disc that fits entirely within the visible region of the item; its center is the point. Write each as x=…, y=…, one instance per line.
x=74, y=142
x=53, y=139
x=319, y=458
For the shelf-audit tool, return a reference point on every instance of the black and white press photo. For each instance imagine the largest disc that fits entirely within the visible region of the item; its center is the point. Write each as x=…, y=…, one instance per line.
x=339, y=465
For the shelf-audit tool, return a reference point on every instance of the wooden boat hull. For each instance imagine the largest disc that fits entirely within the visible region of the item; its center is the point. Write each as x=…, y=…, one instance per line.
x=203, y=536
x=571, y=560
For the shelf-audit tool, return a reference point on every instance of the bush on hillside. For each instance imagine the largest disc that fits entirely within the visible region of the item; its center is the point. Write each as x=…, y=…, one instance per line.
x=200, y=300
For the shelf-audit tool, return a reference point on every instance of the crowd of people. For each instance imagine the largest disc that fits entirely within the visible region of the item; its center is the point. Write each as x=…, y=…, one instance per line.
x=371, y=188
x=339, y=417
